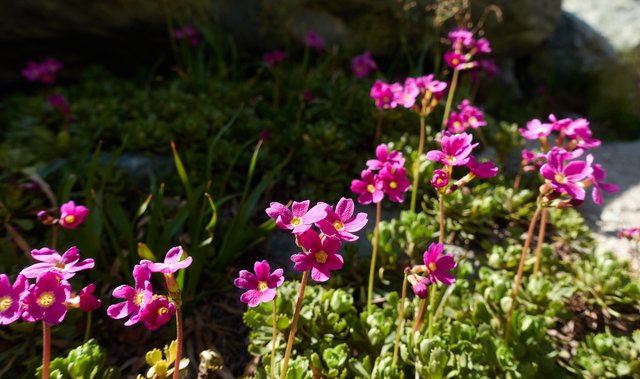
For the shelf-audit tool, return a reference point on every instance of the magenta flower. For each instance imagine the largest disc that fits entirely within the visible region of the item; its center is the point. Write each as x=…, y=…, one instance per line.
x=536, y=129
x=460, y=38
x=482, y=170
x=362, y=65
x=10, y=306
x=299, y=219
x=428, y=84
x=579, y=131
x=597, y=178
x=272, y=58
x=455, y=123
x=45, y=299
x=421, y=287
x=320, y=257
x=385, y=157
x=261, y=286
x=72, y=215
x=314, y=41
x=629, y=233
x=439, y=265
x=341, y=222
x=136, y=298
x=456, y=149
x=87, y=300
x=565, y=178
x=407, y=96
x=472, y=117
x=44, y=72
x=394, y=182
x=482, y=46
x=157, y=312
x=369, y=189
x=440, y=179
x=57, y=101
x=172, y=262
x=455, y=61
x=189, y=32
x=66, y=265
x=385, y=94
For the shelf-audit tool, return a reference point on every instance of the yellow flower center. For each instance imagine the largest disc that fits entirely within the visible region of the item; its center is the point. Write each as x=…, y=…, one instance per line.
x=451, y=158
x=70, y=219
x=5, y=303
x=138, y=298
x=432, y=266
x=455, y=61
x=338, y=225
x=321, y=256
x=296, y=221
x=46, y=299
x=163, y=311
x=393, y=185
x=559, y=178
x=371, y=188
x=262, y=285
x=456, y=125
x=472, y=120
x=60, y=265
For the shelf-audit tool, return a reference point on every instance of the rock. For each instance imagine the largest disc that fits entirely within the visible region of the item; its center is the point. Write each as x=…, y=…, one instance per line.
x=617, y=20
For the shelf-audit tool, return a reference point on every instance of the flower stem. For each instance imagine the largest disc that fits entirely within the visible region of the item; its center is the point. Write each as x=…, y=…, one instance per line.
x=273, y=343
x=417, y=323
x=416, y=166
x=400, y=320
x=441, y=212
x=46, y=349
x=87, y=328
x=294, y=324
x=432, y=309
x=525, y=249
x=54, y=236
x=372, y=269
x=176, y=364
x=541, y=231
x=452, y=90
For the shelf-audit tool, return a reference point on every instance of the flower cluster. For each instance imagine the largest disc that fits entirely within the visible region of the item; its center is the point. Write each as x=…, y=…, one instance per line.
x=390, y=178
x=389, y=96
x=363, y=64
x=456, y=151
x=314, y=41
x=436, y=268
x=563, y=174
x=465, y=48
x=467, y=117
x=141, y=303
x=189, y=32
x=44, y=72
x=274, y=57
x=50, y=296
x=71, y=215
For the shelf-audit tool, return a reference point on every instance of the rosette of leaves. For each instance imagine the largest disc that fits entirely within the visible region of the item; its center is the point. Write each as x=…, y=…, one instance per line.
x=374, y=334
x=86, y=361
x=606, y=356
x=409, y=234
x=382, y=368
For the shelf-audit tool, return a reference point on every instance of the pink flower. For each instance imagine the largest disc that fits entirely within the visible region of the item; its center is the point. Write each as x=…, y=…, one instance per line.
x=536, y=129
x=260, y=287
x=136, y=298
x=362, y=65
x=455, y=123
x=10, y=306
x=66, y=265
x=88, y=301
x=385, y=94
x=385, y=157
x=320, y=257
x=394, y=182
x=274, y=57
x=482, y=46
x=407, y=96
x=460, y=38
x=57, y=101
x=369, y=189
x=44, y=72
x=579, y=131
x=565, y=178
x=597, y=178
x=482, y=170
x=314, y=41
x=428, y=84
x=189, y=32
x=471, y=116
x=420, y=287
x=629, y=233
x=72, y=215
x=341, y=222
x=299, y=219
x=456, y=149
x=455, y=61
x=172, y=262
x=440, y=179
x=157, y=312
x=439, y=265
x=45, y=299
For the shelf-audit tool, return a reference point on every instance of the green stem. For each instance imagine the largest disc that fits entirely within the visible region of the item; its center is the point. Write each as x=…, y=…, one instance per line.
x=417, y=322
x=441, y=216
x=176, y=363
x=541, y=231
x=46, y=349
x=87, y=328
x=432, y=309
x=294, y=324
x=372, y=269
x=516, y=287
x=273, y=343
x=400, y=320
x=416, y=166
x=452, y=90
x=54, y=236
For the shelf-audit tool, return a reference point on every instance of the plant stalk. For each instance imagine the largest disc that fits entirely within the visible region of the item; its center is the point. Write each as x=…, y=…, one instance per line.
x=416, y=166
x=273, y=343
x=46, y=349
x=525, y=249
x=372, y=269
x=432, y=308
x=294, y=324
x=541, y=231
x=87, y=328
x=441, y=215
x=452, y=90
x=417, y=323
x=400, y=320
x=176, y=364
